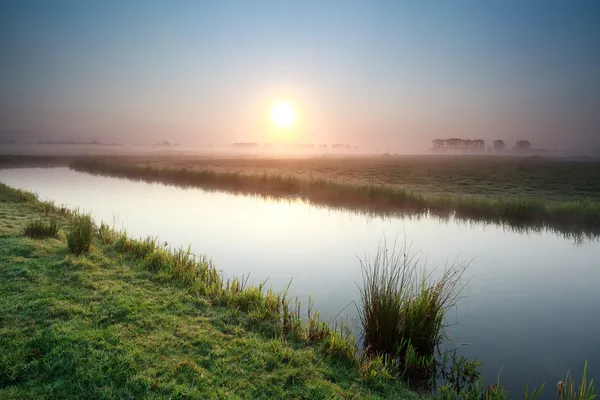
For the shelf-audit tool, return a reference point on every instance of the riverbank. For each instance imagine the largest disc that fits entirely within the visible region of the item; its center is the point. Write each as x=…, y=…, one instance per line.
x=131, y=318
x=109, y=324
x=573, y=216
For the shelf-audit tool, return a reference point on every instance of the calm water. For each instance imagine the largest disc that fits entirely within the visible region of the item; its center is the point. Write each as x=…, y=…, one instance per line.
x=531, y=306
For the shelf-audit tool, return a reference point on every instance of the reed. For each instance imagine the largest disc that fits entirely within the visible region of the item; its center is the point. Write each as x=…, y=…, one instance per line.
x=402, y=310
x=40, y=229
x=568, y=390
x=80, y=234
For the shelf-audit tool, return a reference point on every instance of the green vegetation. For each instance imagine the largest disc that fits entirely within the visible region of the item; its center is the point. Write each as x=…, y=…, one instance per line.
x=39, y=229
x=130, y=318
x=575, y=216
x=402, y=312
x=80, y=235
x=567, y=389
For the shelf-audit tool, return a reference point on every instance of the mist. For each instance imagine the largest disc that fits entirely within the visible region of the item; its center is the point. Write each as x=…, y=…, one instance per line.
x=374, y=76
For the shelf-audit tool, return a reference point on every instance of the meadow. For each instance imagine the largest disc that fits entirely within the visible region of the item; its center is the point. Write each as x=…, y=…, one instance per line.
x=471, y=175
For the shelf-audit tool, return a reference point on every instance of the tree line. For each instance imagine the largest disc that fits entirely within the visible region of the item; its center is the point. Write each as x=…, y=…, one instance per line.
x=476, y=144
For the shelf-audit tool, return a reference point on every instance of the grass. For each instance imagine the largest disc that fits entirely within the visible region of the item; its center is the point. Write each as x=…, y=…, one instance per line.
x=80, y=234
x=568, y=214
x=40, y=229
x=567, y=389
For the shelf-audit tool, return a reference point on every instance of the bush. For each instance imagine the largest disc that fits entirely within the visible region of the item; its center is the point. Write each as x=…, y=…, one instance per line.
x=39, y=229
x=79, y=237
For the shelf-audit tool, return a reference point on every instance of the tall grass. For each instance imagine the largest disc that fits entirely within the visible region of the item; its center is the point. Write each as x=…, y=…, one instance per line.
x=567, y=390
x=402, y=310
x=39, y=229
x=80, y=234
x=8, y=194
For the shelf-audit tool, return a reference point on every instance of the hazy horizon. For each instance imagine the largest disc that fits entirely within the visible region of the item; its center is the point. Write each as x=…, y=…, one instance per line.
x=385, y=74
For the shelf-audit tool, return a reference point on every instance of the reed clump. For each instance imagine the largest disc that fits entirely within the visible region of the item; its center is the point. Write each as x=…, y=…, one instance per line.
x=80, y=234
x=402, y=309
x=40, y=229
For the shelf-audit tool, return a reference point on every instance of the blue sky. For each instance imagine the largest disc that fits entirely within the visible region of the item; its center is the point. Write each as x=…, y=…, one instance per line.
x=386, y=73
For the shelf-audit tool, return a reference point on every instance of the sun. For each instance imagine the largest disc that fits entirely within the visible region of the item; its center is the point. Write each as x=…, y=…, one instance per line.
x=283, y=114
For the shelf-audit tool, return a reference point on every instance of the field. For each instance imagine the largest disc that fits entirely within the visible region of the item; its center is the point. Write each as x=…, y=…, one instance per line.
x=550, y=179
x=491, y=176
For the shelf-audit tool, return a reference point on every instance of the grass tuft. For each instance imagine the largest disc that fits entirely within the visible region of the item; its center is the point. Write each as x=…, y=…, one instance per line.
x=402, y=311
x=40, y=229
x=79, y=236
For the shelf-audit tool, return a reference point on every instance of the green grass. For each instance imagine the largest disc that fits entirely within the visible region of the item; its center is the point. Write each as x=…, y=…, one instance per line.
x=80, y=234
x=130, y=319
x=571, y=214
x=39, y=229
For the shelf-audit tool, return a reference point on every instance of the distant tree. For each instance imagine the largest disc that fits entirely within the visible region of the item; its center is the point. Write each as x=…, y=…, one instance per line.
x=438, y=143
x=467, y=143
x=454, y=142
x=499, y=145
x=478, y=144
x=523, y=144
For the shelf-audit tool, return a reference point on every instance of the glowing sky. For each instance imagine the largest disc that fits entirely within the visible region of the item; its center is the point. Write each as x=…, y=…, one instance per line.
x=385, y=73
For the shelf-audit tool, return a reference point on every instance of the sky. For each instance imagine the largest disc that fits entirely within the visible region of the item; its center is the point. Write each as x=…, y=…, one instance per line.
x=392, y=74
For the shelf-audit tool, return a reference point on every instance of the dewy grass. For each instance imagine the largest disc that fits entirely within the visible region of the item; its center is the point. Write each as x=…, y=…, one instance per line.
x=566, y=216
x=39, y=229
x=80, y=234
x=203, y=280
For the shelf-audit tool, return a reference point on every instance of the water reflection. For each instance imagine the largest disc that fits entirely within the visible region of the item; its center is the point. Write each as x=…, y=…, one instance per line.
x=576, y=231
